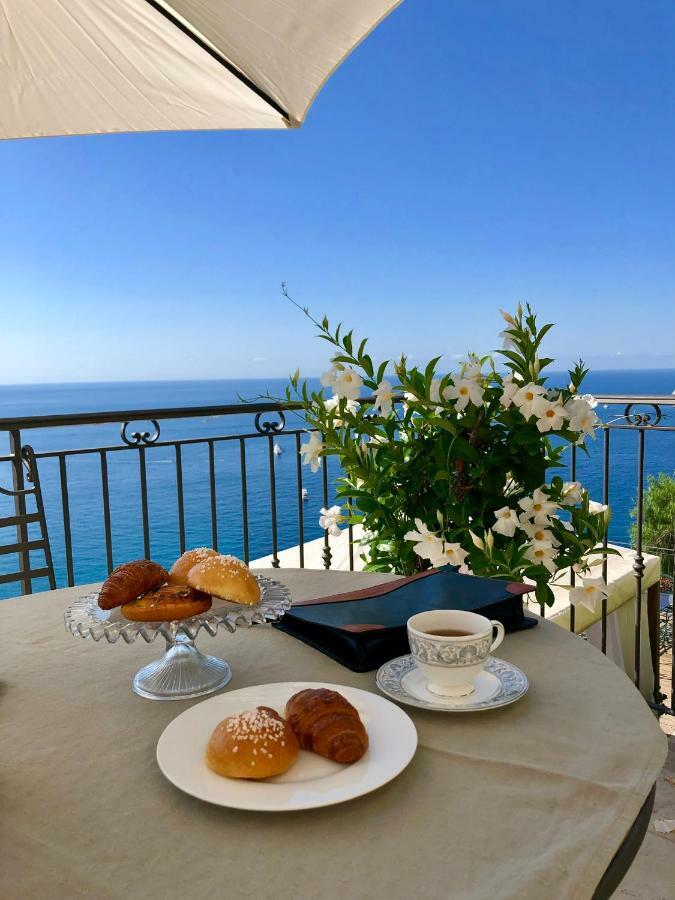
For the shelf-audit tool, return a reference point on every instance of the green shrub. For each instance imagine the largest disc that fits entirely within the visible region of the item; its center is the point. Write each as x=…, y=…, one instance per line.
x=658, y=530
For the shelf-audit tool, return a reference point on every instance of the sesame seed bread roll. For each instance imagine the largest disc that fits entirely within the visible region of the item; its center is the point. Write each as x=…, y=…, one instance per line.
x=253, y=744
x=227, y=578
x=191, y=558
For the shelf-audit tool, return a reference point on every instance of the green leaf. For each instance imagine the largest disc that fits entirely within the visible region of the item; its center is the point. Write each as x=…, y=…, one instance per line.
x=544, y=594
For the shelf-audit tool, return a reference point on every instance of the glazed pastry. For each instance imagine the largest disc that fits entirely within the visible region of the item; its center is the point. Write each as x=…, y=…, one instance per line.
x=254, y=744
x=129, y=581
x=225, y=577
x=323, y=721
x=166, y=603
x=179, y=570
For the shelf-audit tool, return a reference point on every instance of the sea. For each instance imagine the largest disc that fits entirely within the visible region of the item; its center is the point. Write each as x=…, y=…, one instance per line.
x=84, y=473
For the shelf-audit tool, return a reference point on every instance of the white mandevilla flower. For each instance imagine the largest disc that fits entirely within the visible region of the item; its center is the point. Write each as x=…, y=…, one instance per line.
x=572, y=493
x=427, y=544
x=377, y=440
x=408, y=401
x=510, y=388
x=550, y=415
x=384, y=396
x=538, y=507
x=588, y=594
x=435, y=391
x=452, y=555
x=506, y=521
x=332, y=406
x=525, y=397
x=330, y=520
x=509, y=485
x=347, y=384
x=464, y=391
x=582, y=418
x=537, y=532
x=541, y=553
x=311, y=451
x=328, y=378
x=471, y=369
x=596, y=508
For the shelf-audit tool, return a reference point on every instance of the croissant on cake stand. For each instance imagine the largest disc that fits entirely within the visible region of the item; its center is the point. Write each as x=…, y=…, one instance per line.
x=326, y=723
x=129, y=581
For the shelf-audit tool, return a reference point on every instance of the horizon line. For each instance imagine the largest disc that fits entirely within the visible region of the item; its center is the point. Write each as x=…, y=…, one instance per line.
x=14, y=384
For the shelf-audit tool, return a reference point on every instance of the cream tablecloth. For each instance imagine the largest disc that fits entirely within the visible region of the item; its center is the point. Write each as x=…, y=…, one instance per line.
x=530, y=801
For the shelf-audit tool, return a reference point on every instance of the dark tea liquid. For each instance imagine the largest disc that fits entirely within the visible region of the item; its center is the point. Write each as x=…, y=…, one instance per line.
x=448, y=632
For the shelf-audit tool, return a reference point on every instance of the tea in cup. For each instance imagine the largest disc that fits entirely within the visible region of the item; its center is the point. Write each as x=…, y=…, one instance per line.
x=450, y=647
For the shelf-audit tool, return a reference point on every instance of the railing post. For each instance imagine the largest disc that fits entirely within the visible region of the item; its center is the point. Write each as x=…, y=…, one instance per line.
x=327, y=553
x=639, y=563
x=654, y=622
x=18, y=484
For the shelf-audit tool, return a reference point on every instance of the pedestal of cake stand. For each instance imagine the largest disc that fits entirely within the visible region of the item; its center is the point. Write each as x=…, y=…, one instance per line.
x=182, y=673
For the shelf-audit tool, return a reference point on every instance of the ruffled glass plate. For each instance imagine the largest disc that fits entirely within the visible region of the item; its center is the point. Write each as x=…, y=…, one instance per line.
x=182, y=672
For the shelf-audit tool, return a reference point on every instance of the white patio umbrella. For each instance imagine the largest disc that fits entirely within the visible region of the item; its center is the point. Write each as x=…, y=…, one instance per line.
x=93, y=66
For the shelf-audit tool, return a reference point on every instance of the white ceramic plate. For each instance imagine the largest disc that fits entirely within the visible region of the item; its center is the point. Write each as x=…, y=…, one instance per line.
x=313, y=781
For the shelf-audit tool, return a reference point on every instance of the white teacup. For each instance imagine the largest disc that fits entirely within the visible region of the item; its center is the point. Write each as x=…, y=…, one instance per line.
x=451, y=663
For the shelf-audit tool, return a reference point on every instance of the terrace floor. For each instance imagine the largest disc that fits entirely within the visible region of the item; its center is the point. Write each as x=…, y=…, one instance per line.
x=652, y=872
x=667, y=722
x=651, y=875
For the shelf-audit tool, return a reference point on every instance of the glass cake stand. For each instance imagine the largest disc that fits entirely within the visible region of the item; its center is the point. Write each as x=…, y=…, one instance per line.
x=182, y=672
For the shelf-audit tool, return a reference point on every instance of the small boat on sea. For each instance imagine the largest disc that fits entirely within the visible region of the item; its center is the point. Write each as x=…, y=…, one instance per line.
x=305, y=494
x=277, y=450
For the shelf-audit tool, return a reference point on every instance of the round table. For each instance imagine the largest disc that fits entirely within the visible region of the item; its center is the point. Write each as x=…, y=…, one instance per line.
x=529, y=801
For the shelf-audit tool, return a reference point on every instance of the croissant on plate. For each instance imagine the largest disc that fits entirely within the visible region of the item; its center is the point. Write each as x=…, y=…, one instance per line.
x=323, y=721
x=129, y=581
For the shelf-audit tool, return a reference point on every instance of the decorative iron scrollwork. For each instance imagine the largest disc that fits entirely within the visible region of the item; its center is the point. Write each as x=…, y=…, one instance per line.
x=643, y=419
x=270, y=427
x=138, y=438
x=28, y=458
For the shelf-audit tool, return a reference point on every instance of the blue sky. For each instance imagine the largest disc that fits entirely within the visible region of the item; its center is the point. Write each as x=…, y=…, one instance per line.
x=466, y=156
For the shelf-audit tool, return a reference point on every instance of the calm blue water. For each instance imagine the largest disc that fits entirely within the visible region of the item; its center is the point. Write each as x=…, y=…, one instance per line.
x=84, y=477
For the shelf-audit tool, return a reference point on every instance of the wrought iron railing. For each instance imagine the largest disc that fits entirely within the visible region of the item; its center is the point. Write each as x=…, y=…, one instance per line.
x=255, y=484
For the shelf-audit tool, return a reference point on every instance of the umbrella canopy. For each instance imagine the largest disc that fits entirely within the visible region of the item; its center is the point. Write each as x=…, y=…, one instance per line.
x=92, y=66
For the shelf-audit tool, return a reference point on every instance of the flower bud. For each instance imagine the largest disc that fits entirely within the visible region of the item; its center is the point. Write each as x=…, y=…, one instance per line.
x=477, y=542
x=507, y=317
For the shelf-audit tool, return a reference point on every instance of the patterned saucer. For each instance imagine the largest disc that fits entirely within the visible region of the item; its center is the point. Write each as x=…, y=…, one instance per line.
x=499, y=684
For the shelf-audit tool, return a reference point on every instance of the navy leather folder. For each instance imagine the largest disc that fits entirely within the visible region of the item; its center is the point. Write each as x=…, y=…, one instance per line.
x=363, y=629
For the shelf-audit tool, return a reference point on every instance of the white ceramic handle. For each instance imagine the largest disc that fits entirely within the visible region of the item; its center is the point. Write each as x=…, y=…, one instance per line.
x=500, y=634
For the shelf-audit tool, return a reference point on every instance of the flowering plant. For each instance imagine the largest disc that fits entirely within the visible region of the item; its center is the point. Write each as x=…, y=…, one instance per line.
x=452, y=468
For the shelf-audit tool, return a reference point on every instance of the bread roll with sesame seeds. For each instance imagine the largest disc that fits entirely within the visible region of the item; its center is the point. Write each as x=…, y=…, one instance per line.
x=191, y=558
x=227, y=578
x=254, y=744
